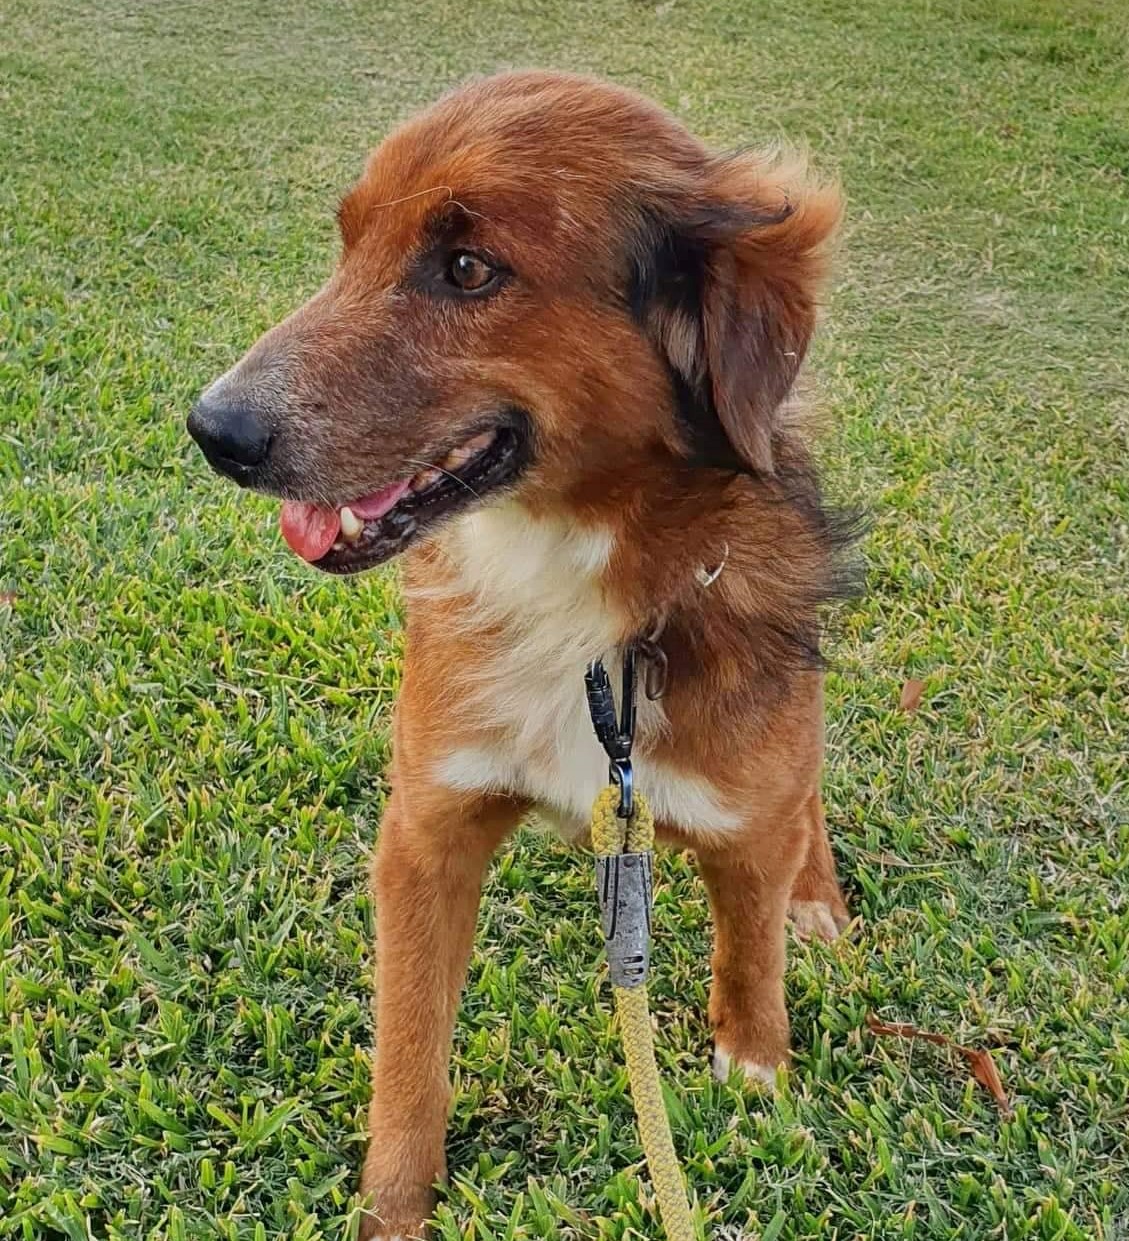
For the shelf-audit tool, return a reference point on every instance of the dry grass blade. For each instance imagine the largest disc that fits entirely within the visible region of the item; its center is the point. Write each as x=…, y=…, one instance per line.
x=980, y=1062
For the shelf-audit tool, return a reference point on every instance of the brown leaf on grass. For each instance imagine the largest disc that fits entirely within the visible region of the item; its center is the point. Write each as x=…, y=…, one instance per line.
x=984, y=1070
x=980, y=1062
x=7, y=598
x=911, y=695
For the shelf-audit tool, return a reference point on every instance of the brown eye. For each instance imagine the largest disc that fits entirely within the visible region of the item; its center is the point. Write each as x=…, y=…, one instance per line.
x=470, y=272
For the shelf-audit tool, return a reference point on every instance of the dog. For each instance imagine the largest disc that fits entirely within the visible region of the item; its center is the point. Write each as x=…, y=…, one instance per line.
x=556, y=367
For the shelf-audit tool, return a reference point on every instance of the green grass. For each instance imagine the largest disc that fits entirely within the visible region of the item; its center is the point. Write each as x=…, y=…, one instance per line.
x=193, y=727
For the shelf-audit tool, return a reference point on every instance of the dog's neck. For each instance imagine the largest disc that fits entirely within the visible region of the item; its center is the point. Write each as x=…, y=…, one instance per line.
x=633, y=556
x=652, y=529
x=731, y=570
x=723, y=561
x=735, y=566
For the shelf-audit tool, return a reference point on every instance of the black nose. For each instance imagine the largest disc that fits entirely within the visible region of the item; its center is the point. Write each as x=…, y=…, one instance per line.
x=230, y=436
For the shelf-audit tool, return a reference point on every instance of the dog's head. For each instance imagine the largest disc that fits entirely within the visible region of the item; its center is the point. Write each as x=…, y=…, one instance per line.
x=543, y=280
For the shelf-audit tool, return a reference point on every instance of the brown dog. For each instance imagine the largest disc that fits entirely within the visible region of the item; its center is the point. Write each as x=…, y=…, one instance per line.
x=556, y=362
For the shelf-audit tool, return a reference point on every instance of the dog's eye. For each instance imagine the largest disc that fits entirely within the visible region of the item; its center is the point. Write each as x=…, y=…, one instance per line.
x=470, y=272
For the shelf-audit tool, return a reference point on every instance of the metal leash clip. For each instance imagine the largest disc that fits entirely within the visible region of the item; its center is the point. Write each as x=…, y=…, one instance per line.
x=616, y=735
x=623, y=879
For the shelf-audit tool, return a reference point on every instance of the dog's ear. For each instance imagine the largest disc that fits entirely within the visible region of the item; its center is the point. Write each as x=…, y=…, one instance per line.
x=727, y=281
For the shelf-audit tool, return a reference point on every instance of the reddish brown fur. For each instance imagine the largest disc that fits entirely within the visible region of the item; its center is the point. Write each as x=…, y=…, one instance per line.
x=578, y=185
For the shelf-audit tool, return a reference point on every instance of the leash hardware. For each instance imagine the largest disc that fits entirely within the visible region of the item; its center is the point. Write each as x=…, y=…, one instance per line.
x=624, y=883
x=616, y=735
x=623, y=835
x=622, y=776
x=657, y=670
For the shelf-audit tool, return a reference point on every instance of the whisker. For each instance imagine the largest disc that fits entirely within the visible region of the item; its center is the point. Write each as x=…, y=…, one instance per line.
x=434, y=189
x=465, y=208
x=392, y=202
x=430, y=465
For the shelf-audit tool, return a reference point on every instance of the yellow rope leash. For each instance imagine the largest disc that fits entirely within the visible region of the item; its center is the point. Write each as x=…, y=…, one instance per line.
x=623, y=850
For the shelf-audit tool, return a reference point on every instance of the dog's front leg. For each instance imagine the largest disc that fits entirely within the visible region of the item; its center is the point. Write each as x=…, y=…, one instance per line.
x=427, y=878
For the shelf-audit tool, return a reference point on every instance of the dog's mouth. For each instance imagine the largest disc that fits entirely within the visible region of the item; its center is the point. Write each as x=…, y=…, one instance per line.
x=373, y=528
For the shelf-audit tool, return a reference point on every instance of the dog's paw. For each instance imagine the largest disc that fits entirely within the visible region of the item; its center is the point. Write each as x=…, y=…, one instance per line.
x=818, y=919
x=373, y=1230
x=763, y=1076
x=407, y=1221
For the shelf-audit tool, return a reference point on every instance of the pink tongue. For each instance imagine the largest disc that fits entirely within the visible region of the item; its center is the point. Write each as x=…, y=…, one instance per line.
x=308, y=528
x=311, y=530
x=379, y=502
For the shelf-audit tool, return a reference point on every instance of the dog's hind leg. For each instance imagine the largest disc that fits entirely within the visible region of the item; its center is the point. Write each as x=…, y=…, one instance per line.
x=434, y=848
x=749, y=880
x=817, y=907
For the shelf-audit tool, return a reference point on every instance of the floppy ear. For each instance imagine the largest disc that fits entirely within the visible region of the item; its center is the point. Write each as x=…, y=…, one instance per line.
x=732, y=298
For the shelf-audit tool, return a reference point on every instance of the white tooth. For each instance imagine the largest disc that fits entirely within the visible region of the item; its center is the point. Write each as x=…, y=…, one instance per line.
x=461, y=455
x=351, y=525
x=425, y=478
x=338, y=546
x=480, y=442
x=457, y=457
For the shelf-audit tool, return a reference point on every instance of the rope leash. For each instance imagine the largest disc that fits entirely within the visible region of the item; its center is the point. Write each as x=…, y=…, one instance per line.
x=623, y=837
x=623, y=859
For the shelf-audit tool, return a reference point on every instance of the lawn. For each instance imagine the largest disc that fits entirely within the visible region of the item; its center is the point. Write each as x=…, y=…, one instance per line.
x=193, y=726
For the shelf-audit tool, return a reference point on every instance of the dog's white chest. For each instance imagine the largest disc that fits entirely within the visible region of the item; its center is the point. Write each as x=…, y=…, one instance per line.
x=540, y=582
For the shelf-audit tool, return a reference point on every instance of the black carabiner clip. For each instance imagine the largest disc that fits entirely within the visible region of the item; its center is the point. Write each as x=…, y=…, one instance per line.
x=616, y=735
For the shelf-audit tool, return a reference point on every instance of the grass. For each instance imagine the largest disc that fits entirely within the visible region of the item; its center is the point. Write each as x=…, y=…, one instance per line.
x=193, y=727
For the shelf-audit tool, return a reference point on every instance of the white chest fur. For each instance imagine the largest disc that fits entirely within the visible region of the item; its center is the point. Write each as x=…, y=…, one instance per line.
x=539, y=581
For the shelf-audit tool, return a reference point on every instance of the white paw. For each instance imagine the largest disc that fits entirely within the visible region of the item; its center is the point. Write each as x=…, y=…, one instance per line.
x=814, y=919
x=760, y=1074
